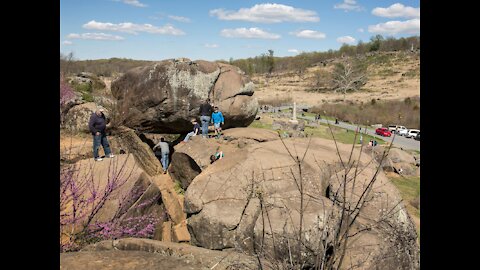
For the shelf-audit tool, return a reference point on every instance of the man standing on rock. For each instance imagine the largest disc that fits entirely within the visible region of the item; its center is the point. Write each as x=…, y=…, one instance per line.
x=205, y=113
x=97, y=126
x=163, y=153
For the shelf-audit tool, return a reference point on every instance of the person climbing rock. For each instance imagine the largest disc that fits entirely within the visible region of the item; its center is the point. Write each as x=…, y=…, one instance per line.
x=97, y=126
x=163, y=153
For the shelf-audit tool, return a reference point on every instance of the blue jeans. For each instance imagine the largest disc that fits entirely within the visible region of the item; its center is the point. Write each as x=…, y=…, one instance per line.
x=190, y=134
x=100, y=140
x=205, y=121
x=164, y=160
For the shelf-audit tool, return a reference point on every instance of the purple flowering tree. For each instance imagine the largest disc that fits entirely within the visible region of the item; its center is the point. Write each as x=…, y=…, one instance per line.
x=81, y=198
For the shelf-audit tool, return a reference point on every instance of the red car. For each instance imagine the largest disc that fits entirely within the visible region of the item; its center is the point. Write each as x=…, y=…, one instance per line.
x=383, y=132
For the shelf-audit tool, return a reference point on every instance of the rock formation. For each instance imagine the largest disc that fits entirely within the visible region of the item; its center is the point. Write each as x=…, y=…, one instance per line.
x=251, y=201
x=163, y=97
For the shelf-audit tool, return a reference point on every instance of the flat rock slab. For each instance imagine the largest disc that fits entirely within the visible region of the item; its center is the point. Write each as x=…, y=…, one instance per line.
x=123, y=260
x=146, y=254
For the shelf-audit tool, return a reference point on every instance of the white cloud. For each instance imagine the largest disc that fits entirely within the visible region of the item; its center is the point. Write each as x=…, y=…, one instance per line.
x=94, y=36
x=179, y=18
x=346, y=39
x=135, y=3
x=397, y=10
x=348, y=5
x=360, y=30
x=67, y=42
x=211, y=45
x=293, y=50
x=132, y=28
x=248, y=33
x=396, y=27
x=267, y=13
x=309, y=34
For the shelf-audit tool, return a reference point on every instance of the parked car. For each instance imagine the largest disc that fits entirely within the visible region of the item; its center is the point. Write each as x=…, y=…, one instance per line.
x=402, y=132
x=394, y=128
x=412, y=133
x=383, y=132
x=417, y=137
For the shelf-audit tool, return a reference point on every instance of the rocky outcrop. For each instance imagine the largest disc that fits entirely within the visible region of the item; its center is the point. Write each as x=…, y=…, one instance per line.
x=397, y=160
x=87, y=78
x=251, y=201
x=151, y=165
x=191, y=158
x=77, y=118
x=135, y=253
x=287, y=125
x=256, y=134
x=163, y=97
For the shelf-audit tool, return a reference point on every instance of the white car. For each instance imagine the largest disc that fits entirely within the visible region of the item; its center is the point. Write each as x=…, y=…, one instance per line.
x=397, y=128
x=412, y=133
x=402, y=132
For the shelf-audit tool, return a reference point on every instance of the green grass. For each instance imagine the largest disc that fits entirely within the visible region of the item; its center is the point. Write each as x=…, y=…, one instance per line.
x=340, y=134
x=260, y=124
x=386, y=72
x=413, y=73
x=178, y=188
x=409, y=188
x=309, y=114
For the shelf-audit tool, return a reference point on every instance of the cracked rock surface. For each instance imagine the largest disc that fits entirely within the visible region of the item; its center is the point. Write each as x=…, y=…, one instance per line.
x=163, y=97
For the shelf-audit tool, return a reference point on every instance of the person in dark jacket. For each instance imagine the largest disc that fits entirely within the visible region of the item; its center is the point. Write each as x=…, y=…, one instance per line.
x=97, y=126
x=205, y=113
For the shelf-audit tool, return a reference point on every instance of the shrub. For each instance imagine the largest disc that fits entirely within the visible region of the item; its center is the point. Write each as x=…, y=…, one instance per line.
x=87, y=97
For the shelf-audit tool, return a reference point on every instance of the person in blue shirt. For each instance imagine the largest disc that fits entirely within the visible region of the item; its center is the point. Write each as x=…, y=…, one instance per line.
x=217, y=119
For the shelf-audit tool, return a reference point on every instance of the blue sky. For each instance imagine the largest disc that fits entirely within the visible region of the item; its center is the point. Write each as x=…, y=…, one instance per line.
x=214, y=30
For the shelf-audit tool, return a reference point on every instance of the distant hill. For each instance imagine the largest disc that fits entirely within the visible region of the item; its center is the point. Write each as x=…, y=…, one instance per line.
x=101, y=67
x=268, y=63
x=390, y=76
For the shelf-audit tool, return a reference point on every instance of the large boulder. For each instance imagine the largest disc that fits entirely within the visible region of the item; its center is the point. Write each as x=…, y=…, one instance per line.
x=397, y=160
x=191, y=158
x=251, y=201
x=163, y=97
x=88, y=78
x=77, y=118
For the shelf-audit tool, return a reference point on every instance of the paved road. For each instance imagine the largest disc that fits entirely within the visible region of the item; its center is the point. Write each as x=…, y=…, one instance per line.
x=399, y=141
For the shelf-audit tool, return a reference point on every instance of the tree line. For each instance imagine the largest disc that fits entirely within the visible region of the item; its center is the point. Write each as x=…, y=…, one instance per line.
x=101, y=67
x=267, y=63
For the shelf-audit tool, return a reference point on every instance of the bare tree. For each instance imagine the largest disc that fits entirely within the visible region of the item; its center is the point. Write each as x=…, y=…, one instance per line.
x=339, y=227
x=348, y=77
